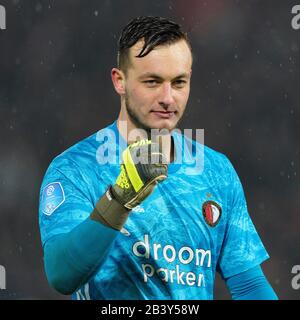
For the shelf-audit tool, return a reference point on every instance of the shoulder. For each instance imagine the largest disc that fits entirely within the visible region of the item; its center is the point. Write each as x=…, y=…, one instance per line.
x=213, y=161
x=75, y=156
x=79, y=162
x=83, y=154
x=218, y=168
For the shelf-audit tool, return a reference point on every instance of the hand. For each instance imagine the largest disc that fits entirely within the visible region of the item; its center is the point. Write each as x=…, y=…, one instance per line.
x=143, y=166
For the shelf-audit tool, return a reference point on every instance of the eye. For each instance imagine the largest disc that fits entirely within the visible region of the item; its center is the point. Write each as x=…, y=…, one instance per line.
x=179, y=83
x=151, y=83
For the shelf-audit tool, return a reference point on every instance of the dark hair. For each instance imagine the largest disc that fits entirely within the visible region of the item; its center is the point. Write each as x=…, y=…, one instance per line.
x=153, y=30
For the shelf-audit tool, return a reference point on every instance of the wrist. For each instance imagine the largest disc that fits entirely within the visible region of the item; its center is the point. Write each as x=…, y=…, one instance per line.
x=110, y=211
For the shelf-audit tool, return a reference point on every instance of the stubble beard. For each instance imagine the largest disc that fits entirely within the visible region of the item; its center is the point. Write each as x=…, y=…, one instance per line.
x=135, y=119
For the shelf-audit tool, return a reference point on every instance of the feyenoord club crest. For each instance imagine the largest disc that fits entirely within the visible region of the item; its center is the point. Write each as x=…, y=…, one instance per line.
x=211, y=212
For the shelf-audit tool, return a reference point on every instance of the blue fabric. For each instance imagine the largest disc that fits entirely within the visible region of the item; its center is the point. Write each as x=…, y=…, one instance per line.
x=71, y=258
x=250, y=285
x=195, y=222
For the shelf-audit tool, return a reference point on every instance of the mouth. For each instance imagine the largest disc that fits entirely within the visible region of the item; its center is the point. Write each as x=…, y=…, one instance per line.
x=164, y=114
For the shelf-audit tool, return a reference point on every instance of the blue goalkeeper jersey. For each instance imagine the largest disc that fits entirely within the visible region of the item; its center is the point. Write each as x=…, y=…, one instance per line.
x=193, y=224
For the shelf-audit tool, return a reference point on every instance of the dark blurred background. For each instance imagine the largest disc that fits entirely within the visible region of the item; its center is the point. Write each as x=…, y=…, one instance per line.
x=55, y=89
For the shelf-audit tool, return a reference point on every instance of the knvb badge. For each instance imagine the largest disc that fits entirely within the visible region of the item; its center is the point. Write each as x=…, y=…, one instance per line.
x=2, y=278
x=2, y=18
x=53, y=196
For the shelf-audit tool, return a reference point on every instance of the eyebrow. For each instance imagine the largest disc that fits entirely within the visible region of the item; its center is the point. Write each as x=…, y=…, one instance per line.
x=156, y=76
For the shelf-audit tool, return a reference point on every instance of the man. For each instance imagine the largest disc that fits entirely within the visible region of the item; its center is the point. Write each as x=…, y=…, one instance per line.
x=120, y=218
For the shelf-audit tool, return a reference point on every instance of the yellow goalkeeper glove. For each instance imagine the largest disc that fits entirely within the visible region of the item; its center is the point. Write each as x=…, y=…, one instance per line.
x=143, y=166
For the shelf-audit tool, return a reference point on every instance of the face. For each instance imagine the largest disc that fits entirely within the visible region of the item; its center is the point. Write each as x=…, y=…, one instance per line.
x=157, y=86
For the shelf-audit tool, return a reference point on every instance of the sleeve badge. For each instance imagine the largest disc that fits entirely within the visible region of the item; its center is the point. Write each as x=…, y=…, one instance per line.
x=53, y=196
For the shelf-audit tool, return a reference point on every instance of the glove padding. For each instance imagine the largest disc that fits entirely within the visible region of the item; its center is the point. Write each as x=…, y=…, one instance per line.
x=144, y=165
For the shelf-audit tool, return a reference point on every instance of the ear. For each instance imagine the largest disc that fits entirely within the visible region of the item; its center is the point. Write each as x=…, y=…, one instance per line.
x=118, y=79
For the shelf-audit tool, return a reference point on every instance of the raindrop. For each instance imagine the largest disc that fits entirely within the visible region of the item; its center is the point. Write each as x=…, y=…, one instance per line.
x=281, y=173
x=38, y=7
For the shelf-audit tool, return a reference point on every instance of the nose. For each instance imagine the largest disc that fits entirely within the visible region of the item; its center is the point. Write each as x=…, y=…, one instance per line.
x=166, y=96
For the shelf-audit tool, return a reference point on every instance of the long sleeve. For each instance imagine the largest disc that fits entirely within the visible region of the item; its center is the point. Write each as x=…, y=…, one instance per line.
x=250, y=285
x=72, y=258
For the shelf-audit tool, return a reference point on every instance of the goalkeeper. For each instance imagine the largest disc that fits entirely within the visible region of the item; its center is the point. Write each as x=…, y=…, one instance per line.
x=136, y=224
